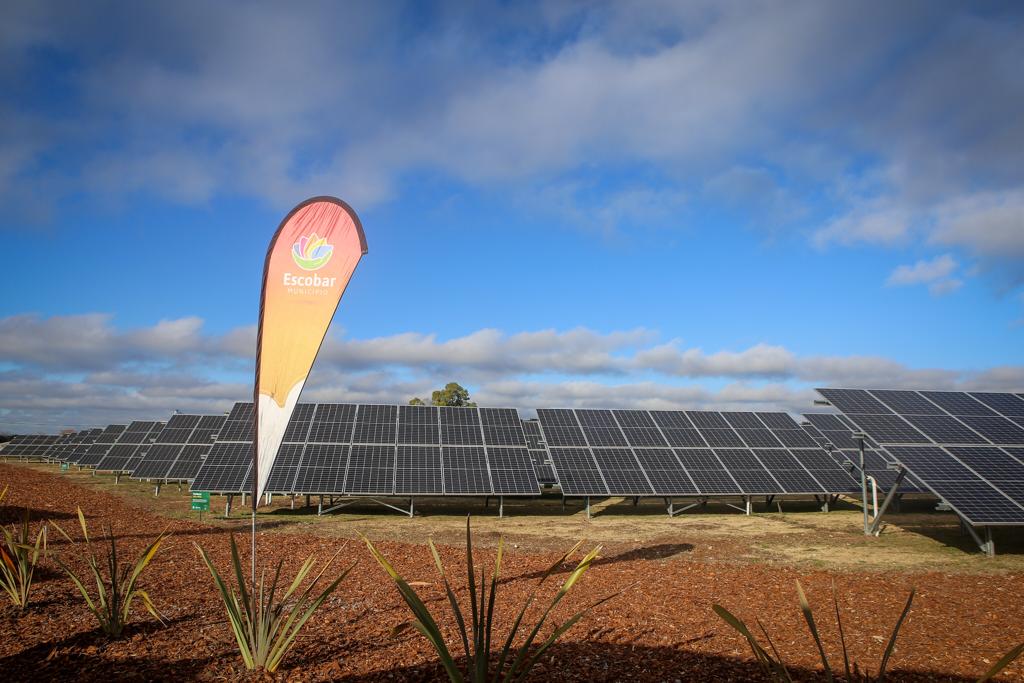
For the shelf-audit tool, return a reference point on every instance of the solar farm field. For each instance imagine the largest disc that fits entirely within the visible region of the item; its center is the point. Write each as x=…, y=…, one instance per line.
x=966, y=614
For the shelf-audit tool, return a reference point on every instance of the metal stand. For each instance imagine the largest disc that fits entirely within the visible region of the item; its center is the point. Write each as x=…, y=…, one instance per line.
x=672, y=511
x=588, y=507
x=987, y=545
x=348, y=500
x=501, y=507
x=227, y=506
x=876, y=525
x=156, y=491
x=747, y=506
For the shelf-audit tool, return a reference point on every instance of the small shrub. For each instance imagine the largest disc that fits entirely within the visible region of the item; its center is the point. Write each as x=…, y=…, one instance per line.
x=115, y=592
x=18, y=557
x=775, y=669
x=512, y=664
x=265, y=630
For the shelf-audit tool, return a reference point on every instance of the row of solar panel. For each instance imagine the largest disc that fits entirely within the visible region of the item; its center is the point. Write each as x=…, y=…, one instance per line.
x=966, y=447
x=627, y=452
x=362, y=469
x=388, y=424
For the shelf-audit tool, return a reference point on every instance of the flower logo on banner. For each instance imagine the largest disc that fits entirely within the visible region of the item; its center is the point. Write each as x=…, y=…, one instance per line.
x=312, y=252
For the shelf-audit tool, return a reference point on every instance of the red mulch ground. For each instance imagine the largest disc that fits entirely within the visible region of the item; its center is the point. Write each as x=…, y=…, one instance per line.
x=661, y=629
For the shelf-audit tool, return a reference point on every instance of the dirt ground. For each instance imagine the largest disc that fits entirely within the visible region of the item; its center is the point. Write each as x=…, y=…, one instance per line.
x=968, y=611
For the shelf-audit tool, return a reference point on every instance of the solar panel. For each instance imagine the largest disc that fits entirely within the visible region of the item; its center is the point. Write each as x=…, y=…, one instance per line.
x=168, y=459
x=188, y=462
x=671, y=419
x=996, y=429
x=286, y=464
x=419, y=433
x=576, y=471
x=418, y=471
x=945, y=429
x=665, y=473
x=129, y=448
x=621, y=472
x=104, y=442
x=1004, y=404
x=957, y=403
x=512, y=472
x=683, y=438
x=376, y=424
x=225, y=468
x=371, y=470
x=707, y=471
x=322, y=470
x=504, y=435
x=965, y=491
x=604, y=436
x=597, y=418
x=854, y=401
x=748, y=472
x=531, y=429
x=644, y=436
x=758, y=438
x=791, y=473
x=465, y=470
x=907, y=402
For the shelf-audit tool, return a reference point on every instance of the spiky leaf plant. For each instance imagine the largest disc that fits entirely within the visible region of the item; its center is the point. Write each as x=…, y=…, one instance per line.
x=265, y=629
x=116, y=591
x=482, y=664
x=775, y=669
x=18, y=557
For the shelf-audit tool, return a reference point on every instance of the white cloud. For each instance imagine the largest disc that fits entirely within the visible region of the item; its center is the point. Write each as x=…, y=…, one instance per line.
x=82, y=370
x=937, y=273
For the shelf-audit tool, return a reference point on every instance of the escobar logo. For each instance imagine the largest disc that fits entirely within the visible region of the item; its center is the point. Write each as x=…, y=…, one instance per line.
x=310, y=253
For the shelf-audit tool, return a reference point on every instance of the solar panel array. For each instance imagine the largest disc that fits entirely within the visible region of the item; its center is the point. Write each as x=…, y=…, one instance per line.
x=837, y=430
x=364, y=449
x=966, y=447
x=686, y=453
x=539, y=453
x=89, y=455
x=30, y=446
x=62, y=449
x=179, y=449
x=130, y=447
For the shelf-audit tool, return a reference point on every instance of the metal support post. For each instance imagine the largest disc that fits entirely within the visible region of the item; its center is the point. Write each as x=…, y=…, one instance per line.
x=309, y=502
x=156, y=491
x=227, y=506
x=987, y=546
x=636, y=500
x=860, y=436
x=588, y=507
x=750, y=505
x=876, y=525
x=501, y=506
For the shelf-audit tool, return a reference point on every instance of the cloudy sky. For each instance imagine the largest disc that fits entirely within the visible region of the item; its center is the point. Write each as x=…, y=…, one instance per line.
x=626, y=204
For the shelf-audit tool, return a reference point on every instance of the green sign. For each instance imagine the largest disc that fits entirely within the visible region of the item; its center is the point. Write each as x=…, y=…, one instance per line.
x=63, y=467
x=201, y=501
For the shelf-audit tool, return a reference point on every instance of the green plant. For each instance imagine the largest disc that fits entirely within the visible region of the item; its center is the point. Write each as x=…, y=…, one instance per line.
x=266, y=630
x=115, y=592
x=18, y=557
x=512, y=664
x=775, y=669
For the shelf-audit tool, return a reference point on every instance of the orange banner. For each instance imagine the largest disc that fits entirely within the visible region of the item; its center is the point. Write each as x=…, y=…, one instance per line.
x=309, y=263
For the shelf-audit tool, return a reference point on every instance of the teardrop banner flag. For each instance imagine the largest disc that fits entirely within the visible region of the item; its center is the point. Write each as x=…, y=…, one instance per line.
x=309, y=262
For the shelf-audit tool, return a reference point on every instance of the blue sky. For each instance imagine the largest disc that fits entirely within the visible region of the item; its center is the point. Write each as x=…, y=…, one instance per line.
x=649, y=205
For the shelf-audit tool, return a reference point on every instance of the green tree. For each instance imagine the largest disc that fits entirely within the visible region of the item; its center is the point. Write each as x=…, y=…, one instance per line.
x=453, y=394
x=416, y=401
